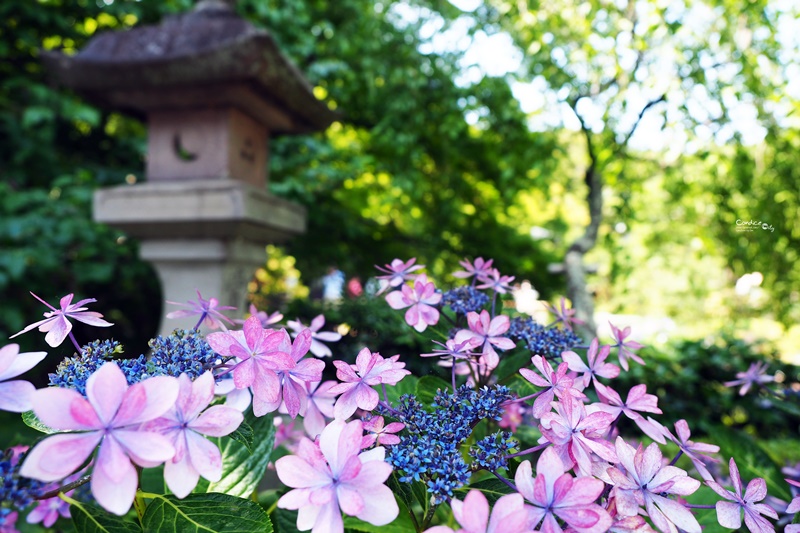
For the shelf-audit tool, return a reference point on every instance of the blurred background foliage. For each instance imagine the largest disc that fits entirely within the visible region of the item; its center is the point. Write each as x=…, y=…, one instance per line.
x=438, y=159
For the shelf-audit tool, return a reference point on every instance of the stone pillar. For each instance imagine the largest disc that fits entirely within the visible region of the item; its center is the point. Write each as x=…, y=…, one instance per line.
x=213, y=89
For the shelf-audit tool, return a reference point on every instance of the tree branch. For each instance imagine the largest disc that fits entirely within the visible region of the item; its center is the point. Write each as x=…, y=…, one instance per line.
x=648, y=105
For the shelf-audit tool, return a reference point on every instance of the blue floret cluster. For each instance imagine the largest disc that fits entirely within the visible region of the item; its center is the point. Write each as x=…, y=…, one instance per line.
x=17, y=491
x=542, y=340
x=465, y=299
x=430, y=448
x=184, y=351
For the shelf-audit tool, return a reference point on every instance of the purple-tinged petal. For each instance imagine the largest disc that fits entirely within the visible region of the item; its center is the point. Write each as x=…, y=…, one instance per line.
x=146, y=400
x=64, y=409
x=181, y=477
x=295, y=472
x=57, y=330
x=217, y=421
x=13, y=363
x=729, y=515
x=145, y=448
x=58, y=456
x=204, y=456
x=105, y=390
x=115, y=494
x=15, y=396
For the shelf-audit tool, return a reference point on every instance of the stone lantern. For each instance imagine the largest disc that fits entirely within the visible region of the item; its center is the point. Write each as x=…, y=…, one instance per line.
x=213, y=89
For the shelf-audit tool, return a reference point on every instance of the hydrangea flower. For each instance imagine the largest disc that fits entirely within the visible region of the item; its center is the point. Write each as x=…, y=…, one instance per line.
x=259, y=357
x=209, y=311
x=693, y=450
x=185, y=424
x=564, y=315
x=478, y=269
x=625, y=347
x=109, y=416
x=638, y=400
x=317, y=337
x=420, y=301
x=646, y=481
x=575, y=435
x=755, y=375
x=48, y=511
x=266, y=319
x=398, y=272
x=493, y=280
x=56, y=324
x=293, y=394
x=729, y=513
x=319, y=406
x=508, y=515
x=597, y=367
x=15, y=395
x=331, y=476
x=381, y=433
x=356, y=391
x=487, y=331
x=556, y=383
x=556, y=495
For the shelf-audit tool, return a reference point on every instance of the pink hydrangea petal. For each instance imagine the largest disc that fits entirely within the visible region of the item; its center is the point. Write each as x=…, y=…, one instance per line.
x=15, y=396
x=114, y=493
x=147, y=400
x=181, y=477
x=294, y=472
x=58, y=456
x=217, y=421
x=105, y=390
x=670, y=511
x=13, y=363
x=92, y=318
x=145, y=448
x=366, y=397
x=57, y=330
x=339, y=442
x=397, y=300
x=64, y=409
x=345, y=405
x=204, y=456
x=350, y=501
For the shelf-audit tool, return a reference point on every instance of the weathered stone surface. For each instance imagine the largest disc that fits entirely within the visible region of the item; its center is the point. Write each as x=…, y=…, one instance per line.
x=206, y=144
x=199, y=52
x=194, y=209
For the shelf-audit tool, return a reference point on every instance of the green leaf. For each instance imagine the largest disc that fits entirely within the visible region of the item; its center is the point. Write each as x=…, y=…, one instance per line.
x=492, y=488
x=752, y=460
x=31, y=420
x=244, y=435
x=427, y=387
x=243, y=468
x=285, y=521
x=209, y=513
x=401, y=490
x=91, y=519
x=407, y=385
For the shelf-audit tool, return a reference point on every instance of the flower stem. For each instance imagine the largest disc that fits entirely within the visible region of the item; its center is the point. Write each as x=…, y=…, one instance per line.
x=677, y=456
x=66, y=488
x=529, y=450
x=199, y=322
x=692, y=506
x=75, y=342
x=525, y=398
x=504, y=480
